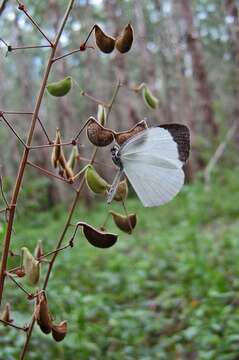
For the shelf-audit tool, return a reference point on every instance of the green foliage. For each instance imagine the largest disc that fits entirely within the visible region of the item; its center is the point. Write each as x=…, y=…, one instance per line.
x=168, y=291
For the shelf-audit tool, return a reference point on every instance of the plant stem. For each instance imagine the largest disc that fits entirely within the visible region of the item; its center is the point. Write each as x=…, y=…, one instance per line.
x=47, y=172
x=22, y=166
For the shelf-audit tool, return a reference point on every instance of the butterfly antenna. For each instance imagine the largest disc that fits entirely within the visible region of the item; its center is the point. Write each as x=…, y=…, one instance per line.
x=114, y=186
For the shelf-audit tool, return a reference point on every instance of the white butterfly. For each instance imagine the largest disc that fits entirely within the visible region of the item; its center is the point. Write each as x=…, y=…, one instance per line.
x=152, y=161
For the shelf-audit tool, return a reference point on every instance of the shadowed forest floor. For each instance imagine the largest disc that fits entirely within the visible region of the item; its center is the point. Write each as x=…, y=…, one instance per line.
x=169, y=291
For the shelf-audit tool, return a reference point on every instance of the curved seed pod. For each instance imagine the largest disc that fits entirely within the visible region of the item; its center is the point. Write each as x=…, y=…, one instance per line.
x=104, y=42
x=31, y=267
x=97, y=238
x=94, y=181
x=74, y=155
x=121, y=137
x=6, y=314
x=57, y=150
x=67, y=173
x=125, y=223
x=59, y=331
x=150, y=100
x=122, y=191
x=42, y=314
x=101, y=114
x=124, y=41
x=60, y=88
x=38, y=252
x=99, y=135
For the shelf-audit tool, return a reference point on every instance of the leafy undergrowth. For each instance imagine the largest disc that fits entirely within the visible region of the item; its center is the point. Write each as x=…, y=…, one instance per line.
x=169, y=291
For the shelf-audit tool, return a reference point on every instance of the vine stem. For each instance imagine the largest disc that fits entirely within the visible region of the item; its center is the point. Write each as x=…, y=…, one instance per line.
x=66, y=226
x=23, y=162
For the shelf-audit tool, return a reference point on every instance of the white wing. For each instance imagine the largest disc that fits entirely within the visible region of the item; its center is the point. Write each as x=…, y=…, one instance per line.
x=151, y=163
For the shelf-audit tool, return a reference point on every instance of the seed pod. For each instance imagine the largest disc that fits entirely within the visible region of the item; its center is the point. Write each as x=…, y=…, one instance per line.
x=94, y=181
x=42, y=314
x=97, y=238
x=74, y=155
x=124, y=41
x=38, y=252
x=57, y=150
x=122, y=191
x=150, y=100
x=59, y=331
x=6, y=314
x=101, y=114
x=20, y=273
x=121, y=137
x=67, y=173
x=97, y=134
x=104, y=42
x=125, y=223
x=31, y=267
x=60, y=88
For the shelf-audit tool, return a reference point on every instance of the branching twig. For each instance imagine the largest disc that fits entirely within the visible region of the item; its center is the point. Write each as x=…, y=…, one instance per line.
x=47, y=172
x=25, y=328
x=12, y=129
x=19, y=285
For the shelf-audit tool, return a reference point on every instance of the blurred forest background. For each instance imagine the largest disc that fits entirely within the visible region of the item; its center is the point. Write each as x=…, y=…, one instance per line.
x=180, y=298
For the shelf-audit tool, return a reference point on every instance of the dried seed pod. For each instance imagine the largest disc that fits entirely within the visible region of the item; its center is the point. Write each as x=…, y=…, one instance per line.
x=150, y=100
x=97, y=238
x=124, y=41
x=122, y=191
x=97, y=134
x=125, y=223
x=101, y=114
x=31, y=267
x=104, y=42
x=42, y=314
x=38, y=252
x=121, y=137
x=6, y=314
x=59, y=331
x=60, y=88
x=74, y=156
x=67, y=171
x=94, y=181
x=57, y=150
x=20, y=273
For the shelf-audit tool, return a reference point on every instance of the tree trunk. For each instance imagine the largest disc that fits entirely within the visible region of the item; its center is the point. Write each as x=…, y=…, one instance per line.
x=199, y=69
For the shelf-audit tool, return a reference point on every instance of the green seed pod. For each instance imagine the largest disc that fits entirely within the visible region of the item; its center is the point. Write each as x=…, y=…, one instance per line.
x=124, y=41
x=31, y=267
x=98, y=238
x=42, y=314
x=6, y=314
x=57, y=150
x=101, y=115
x=99, y=135
x=125, y=223
x=122, y=191
x=104, y=42
x=59, y=331
x=60, y=88
x=121, y=137
x=74, y=156
x=94, y=181
x=150, y=100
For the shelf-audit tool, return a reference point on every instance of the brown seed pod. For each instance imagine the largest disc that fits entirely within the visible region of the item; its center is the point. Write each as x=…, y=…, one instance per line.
x=59, y=331
x=104, y=42
x=6, y=314
x=97, y=238
x=121, y=137
x=124, y=41
x=67, y=171
x=38, y=252
x=42, y=314
x=56, y=151
x=124, y=223
x=122, y=191
x=98, y=134
x=20, y=273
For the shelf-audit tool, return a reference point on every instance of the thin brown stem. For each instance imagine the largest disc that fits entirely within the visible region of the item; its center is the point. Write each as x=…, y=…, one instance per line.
x=70, y=244
x=13, y=48
x=12, y=129
x=88, y=36
x=47, y=172
x=14, y=326
x=95, y=100
x=67, y=143
x=23, y=8
x=11, y=277
x=44, y=130
x=71, y=53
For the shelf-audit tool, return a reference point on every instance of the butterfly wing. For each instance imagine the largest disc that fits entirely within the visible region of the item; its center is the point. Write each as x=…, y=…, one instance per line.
x=151, y=162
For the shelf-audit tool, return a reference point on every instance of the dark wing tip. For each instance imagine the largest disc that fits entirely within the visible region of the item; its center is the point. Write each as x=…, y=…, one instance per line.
x=181, y=136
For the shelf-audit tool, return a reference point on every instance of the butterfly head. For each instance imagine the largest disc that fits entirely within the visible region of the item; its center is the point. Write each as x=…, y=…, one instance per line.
x=115, y=151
